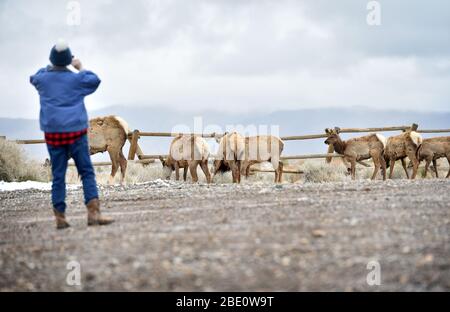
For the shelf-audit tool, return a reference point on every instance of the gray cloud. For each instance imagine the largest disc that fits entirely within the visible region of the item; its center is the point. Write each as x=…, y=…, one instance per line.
x=235, y=55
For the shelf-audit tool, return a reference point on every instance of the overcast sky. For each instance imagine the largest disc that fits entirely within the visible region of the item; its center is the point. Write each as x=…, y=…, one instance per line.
x=235, y=55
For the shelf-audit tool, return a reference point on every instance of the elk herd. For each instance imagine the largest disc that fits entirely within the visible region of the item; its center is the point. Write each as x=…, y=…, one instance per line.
x=385, y=153
x=237, y=153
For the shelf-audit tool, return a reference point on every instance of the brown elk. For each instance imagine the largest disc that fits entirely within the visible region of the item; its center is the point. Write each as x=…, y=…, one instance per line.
x=229, y=156
x=361, y=148
x=401, y=146
x=109, y=134
x=431, y=150
x=250, y=150
x=187, y=151
x=263, y=148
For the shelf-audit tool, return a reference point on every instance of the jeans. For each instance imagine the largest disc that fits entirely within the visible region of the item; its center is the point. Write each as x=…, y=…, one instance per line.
x=59, y=157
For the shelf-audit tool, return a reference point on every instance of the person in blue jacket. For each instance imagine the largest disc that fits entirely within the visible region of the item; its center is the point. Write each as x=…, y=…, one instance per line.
x=64, y=120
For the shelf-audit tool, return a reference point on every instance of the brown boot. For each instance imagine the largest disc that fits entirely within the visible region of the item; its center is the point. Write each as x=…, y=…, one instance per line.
x=60, y=218
x=94, y=216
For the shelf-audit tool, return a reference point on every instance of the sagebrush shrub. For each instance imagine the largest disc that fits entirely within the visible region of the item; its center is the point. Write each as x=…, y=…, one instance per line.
x=15, y=166
x=319, y=171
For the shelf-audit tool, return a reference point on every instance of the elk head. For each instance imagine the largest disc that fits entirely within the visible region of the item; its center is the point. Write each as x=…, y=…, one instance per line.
x=331, y=139
x=219, y=137
x=167, y=168
x=333, y=136
x=220, y=166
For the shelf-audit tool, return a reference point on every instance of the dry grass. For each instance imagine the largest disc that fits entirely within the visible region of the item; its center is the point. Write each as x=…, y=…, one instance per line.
x=136, y=173
x=399, y=172
x=16, y=167
x=260, y=177
x=318, y=171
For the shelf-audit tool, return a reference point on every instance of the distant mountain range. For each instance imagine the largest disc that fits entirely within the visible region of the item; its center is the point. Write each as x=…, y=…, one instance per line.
x=294, y=122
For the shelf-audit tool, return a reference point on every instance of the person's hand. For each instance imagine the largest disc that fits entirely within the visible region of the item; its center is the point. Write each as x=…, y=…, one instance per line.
x=77, y=64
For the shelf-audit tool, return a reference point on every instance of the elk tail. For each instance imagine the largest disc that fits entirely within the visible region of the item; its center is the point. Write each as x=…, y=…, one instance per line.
x=419, y=149
x=416, y=138
x=382, y=139
x=123, y=124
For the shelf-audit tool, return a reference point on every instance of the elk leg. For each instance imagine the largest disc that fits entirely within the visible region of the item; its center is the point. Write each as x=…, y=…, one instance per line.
x=123, y=167
x=405, y=168
x=427, y=164
x=435, y=168
x=233, y=170
x=375, y=170
x=353, y=168
x=204, y=166
x=448, y=159
x=383, y=167
x=114, y=155
x=280, y=171
x=185, y=170
x=415, y=162
x=193, y=170
x=177, y=172
x=391, y=171
x=276, y=165
x=245, y=167
x=347, y=165
x=415, y=169
x=238, y=173
x=247, y=172
x=215, y=168
x=376, y=163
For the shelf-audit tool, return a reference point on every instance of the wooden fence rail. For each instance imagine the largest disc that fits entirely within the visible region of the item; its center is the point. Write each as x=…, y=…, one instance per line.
x=135, y=149
x=382, y=129
x=307, y=156
x=108, y=163
x=434, y=131
x=134, y=137
x=29, y=141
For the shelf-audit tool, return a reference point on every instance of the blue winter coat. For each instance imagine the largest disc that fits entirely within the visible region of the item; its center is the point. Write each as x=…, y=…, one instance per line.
x=62, y=93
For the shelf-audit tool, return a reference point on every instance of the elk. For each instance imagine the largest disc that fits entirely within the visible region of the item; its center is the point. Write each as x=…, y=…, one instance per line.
x=229, y=156
x=361, y=148
x=250, y=150
x=263, y=148
x=401, y=146
x=109, y=134
x=431, y=150
x=187, y=151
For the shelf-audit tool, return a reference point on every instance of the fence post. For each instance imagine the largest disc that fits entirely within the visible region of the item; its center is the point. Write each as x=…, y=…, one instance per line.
x=133, y=146
x=139, y=152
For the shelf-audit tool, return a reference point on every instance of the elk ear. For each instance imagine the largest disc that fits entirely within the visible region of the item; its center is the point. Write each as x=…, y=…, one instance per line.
x=218, y=137
x=327, y=131
x=100, y=122
x=337, y=130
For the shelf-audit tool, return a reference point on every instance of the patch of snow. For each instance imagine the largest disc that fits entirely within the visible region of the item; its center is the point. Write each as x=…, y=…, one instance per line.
x=43, y=186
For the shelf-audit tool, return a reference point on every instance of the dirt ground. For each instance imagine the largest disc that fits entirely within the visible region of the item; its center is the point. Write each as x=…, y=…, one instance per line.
x=257, y=237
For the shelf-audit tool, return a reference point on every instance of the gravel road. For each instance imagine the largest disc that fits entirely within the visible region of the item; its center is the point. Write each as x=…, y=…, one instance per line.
x=261, y=237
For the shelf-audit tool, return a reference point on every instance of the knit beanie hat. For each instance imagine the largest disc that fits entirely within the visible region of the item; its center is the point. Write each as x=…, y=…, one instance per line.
x=60, y=55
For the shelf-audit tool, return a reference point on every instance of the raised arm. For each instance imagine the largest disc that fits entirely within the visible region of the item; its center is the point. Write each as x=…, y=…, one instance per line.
x=89, y=80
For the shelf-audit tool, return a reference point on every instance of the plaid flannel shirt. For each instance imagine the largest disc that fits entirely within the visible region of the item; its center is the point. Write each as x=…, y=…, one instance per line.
x=63, y=138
